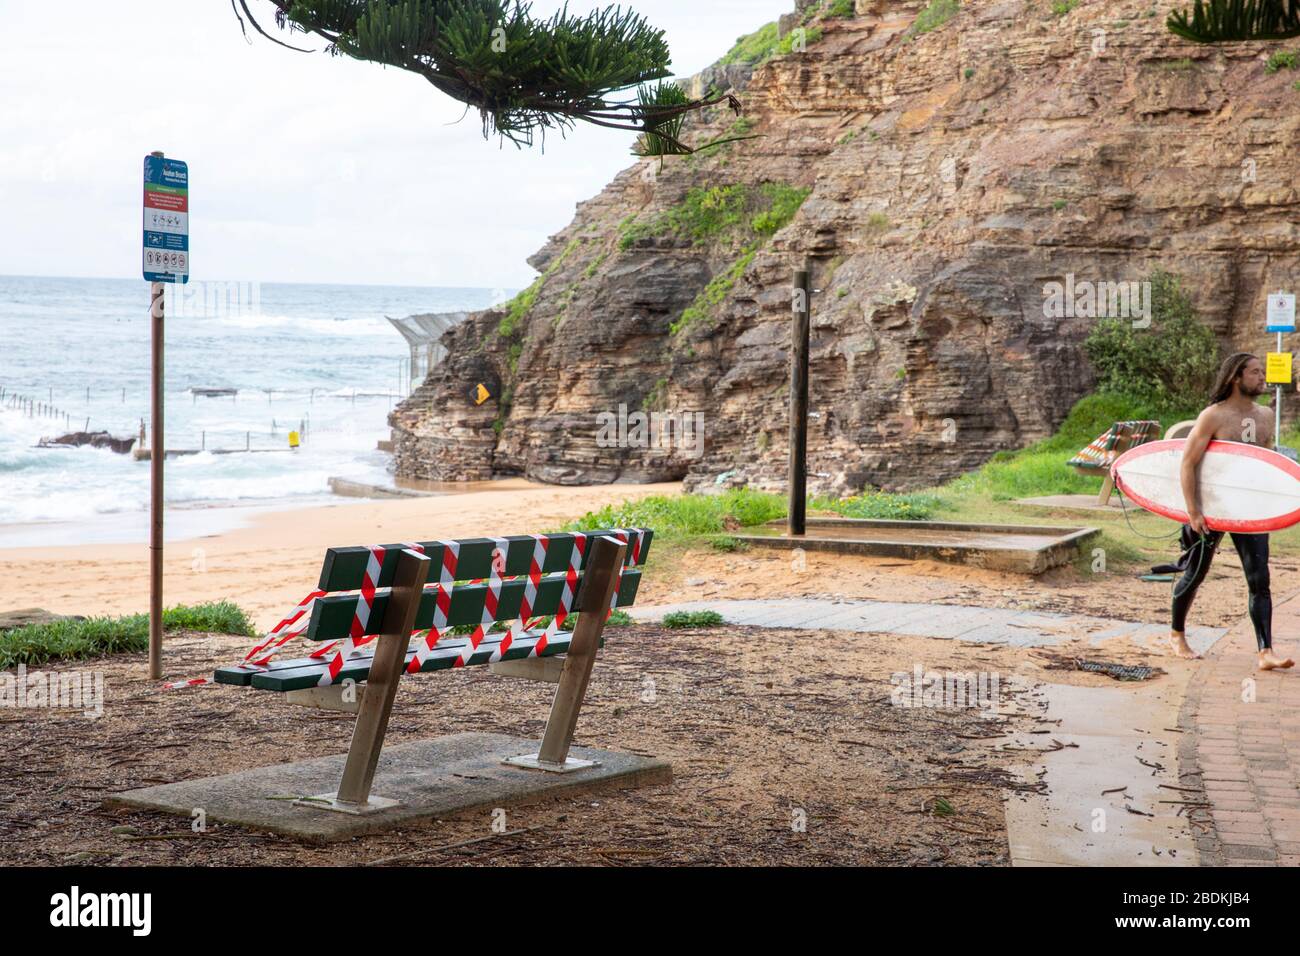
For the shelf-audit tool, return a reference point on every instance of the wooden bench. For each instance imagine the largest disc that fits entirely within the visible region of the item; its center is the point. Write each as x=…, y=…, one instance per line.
x=1102, y=452
x=371, y=600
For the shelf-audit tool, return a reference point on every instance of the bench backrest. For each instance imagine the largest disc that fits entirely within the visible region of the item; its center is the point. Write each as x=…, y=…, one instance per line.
x=1102, y=451
x=469, y=575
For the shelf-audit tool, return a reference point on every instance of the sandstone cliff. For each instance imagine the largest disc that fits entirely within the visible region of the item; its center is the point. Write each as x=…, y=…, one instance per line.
x=950, y=175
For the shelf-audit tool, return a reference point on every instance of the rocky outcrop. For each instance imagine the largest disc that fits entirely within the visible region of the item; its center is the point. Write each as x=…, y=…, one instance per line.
x=951, y=177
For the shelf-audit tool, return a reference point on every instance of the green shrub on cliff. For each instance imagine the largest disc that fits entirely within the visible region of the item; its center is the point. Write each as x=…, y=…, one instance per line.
x=784, y=201
x=934, y=16
x=1171, y=363
x=1282, y=60
x=764, y=43
x=753, y=47
x=713, y=294
x=521, y=306
x=718, y=214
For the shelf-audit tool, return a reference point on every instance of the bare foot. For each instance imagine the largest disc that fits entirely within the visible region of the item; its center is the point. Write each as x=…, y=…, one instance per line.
x=1178, y=646
x=1271, y=660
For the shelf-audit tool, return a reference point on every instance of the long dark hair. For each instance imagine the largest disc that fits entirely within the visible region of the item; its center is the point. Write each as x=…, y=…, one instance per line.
x=1229, y=372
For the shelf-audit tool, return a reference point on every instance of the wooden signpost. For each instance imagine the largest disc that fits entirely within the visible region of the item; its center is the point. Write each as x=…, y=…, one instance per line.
x=801, y=293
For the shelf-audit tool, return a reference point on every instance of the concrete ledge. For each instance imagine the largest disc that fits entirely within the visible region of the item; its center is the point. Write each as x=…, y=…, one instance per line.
x=429, y=778
x=1026, y=549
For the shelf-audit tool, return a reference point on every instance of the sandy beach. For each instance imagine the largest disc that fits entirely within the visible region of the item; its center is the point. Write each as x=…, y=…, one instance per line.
x=267, y=560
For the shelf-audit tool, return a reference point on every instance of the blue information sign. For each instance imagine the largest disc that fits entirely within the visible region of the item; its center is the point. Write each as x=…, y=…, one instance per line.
x=166, y=254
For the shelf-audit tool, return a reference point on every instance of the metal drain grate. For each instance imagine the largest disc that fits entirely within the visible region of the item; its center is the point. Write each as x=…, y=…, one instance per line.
x=1117, y=671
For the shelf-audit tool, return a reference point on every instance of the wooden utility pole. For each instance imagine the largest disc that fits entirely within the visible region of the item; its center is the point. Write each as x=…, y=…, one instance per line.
x=801, y=295
x=156, y=302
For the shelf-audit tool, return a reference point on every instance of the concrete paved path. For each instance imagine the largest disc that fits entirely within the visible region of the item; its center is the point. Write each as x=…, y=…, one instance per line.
x=959, y=621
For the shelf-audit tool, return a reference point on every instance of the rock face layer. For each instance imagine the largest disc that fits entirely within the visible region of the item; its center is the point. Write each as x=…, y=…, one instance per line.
x=952, y=176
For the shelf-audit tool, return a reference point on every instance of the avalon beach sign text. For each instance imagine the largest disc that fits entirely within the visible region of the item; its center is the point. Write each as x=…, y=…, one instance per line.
x=166, y=220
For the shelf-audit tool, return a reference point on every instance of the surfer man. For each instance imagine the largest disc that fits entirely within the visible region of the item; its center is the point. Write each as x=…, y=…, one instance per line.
x=1233, y=415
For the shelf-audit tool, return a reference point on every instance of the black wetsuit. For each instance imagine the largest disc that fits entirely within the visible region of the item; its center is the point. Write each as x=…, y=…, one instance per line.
x=1198, y=552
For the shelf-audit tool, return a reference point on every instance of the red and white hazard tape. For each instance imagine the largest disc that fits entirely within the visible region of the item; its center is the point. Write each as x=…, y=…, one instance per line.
x=357, y=636
x=259, y=657
x=261, y=654
x=491, y=600
x=566, y=596
x=441, y=606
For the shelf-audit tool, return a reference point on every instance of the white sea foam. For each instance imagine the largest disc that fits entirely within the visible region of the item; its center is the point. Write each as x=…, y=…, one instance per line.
x=316, y=359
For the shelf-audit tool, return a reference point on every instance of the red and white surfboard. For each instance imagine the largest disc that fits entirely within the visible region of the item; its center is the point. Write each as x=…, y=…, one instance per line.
x=1242, y=487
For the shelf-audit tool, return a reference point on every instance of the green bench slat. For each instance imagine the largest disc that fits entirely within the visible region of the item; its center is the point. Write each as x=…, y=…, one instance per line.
x=344, y=568
x=241, y=676
x=442, y=658
x=331, y=617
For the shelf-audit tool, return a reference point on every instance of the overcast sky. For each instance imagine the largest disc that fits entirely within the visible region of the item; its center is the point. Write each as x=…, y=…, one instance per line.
x=303, y=168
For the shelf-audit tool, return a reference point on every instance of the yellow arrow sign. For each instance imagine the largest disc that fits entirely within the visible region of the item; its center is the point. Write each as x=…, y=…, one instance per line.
x=481, y=394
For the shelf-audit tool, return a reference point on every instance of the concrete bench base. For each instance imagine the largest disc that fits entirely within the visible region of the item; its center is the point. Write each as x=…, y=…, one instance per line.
x=427, y=778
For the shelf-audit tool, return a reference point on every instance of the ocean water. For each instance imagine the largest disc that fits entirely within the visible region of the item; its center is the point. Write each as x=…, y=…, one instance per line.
x=322, y=356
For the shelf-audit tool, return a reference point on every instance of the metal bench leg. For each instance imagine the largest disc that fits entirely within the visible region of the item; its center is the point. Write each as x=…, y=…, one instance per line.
x=598, y=586
x=353, y=795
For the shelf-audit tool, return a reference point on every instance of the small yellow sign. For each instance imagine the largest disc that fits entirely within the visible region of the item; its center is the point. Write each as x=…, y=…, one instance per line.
x=293, y=439
x=481, y=394
x=1277, y=371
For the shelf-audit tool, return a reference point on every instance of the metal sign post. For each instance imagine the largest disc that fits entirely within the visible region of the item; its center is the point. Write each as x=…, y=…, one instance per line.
x=165, y=259
x=1281, y=318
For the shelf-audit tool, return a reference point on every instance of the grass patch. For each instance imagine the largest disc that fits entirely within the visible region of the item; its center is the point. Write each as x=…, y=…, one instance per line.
x=764, y=43
x=797, y=40
x=721, y=213
x=1040, y=469
x=704, y=214
x=912, y=506
x=518, y=308
x=728, y=544
x=687, y=516
x=688, y=619
x=705, y=305
x=1282, y=60
x=694, y=516
x=36, y=644
x=782, y=202
x=753, y=47
x=934, y=16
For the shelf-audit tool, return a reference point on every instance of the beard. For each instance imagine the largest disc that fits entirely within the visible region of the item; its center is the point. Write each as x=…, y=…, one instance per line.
x=1252, y=391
